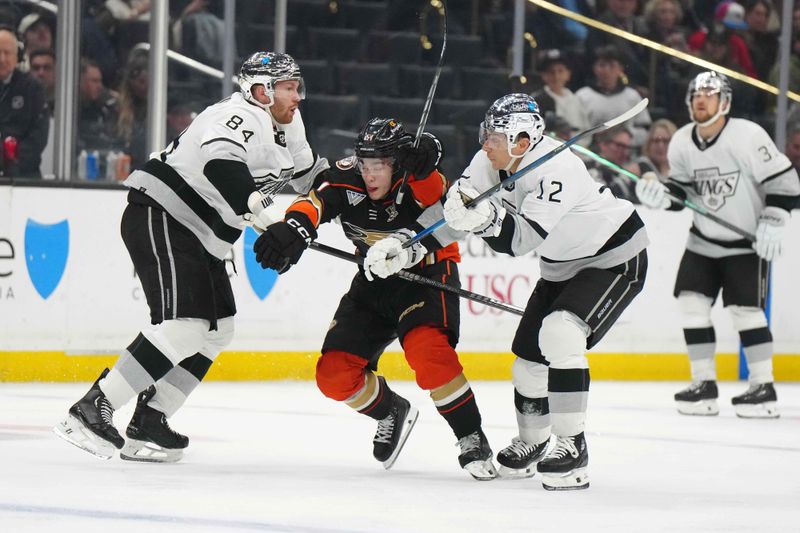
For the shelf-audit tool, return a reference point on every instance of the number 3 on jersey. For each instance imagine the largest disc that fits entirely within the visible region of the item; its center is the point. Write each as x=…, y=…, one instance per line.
x=553, y=190
x=234, y=122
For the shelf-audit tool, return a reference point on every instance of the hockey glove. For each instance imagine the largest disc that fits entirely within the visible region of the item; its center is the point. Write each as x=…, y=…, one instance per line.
x=769, y=233
x=652, y=192
x=263, y=212
x=282, y=244
x=387, y=256
x=420, y=161
x=484, y=219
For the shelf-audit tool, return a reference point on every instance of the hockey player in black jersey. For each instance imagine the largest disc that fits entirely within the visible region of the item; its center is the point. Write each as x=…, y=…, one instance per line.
x=361, y=191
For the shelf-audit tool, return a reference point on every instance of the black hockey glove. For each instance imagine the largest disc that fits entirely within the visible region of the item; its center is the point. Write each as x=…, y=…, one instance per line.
x=282, y=243
x=420, y=161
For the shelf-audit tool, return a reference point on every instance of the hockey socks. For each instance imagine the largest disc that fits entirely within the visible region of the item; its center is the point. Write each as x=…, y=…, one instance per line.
x=455, y=401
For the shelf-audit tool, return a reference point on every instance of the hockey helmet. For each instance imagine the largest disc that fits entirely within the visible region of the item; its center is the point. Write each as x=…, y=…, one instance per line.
x=267, y=69
x=711, y=82
x=512, y=115
x=380, y=138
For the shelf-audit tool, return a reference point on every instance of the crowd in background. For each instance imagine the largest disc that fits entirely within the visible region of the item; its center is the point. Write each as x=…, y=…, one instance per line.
x=580, y=76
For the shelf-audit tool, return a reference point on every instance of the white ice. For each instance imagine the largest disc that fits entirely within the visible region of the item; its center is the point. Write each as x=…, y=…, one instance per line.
x=280, y=457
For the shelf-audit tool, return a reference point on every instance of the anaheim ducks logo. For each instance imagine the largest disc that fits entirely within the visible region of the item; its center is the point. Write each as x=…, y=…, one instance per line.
x=347, y=163
x=354, y=233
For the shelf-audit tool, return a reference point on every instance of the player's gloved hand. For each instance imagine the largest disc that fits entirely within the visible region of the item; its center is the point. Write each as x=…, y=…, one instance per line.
x=420, y=161
x=652, y=192
x=387, y=256
x=282, y=244
x=769, y=233
x=263, y=212
x=484, y=219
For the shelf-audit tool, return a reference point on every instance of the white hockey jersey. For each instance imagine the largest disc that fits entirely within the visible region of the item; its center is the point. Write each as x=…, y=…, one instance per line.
x=734, y=176
x=204, y=177
x=572, y=221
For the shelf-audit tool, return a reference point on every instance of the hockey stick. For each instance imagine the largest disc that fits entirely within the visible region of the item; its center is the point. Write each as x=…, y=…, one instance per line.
x=426, y=110
x=627, y=115
x=688, y=203
x=410, y=276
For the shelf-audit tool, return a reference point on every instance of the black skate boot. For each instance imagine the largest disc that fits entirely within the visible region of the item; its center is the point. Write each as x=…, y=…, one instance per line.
x=476, y=456
x=699, y=398
x=90, y=424
x=757, y=402
x=564, y=468
x=150, y=439
x=519, y=459
x=393, y=431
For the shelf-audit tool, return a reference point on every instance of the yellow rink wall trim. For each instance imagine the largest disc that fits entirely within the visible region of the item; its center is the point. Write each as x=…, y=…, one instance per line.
x=256, y=366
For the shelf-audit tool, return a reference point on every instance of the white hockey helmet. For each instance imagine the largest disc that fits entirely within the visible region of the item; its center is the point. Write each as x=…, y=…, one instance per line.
x=710, y=82
x=512, y=115
x=268, y=68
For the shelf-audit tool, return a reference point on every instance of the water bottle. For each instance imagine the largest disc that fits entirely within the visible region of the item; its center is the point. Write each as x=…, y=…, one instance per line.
x=123, y=166
x=111, y=165
x=92, y=166
x=82, y=164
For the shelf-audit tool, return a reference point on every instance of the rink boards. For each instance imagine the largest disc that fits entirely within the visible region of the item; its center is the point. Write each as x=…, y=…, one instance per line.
x=69, y=301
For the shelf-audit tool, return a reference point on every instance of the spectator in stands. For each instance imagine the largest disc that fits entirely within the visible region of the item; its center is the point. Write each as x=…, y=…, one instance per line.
x=23, y=113
x=654, y=151
x=36, y=31
x=622, y=14
x=610, y=95
x=761, y=42
x=663, y=18
x=98, y=110
x=179, y=116
x=97, y=27
x=793, y=144
x=43, y=67
x=132, y=118
x=199, y=33
x=615, y=145
x=555, y=99
x=794, y=62
x=728, y=18
x=129, y=9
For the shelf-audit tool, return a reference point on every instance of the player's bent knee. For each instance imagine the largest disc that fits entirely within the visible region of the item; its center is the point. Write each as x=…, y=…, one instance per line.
x=431, y=357
x=529, y=378
x=745, y=318
x=340, y=375
x=179, y=338
x=219, y=339
x=562, y=339
x=695, y=310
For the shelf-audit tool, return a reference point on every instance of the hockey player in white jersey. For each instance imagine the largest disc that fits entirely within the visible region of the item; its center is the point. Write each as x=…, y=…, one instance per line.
x=593, y=259
x=186, y=207
x=731, y=167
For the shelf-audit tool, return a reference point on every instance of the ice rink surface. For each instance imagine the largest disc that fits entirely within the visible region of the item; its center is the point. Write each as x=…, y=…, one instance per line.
x=279, y=457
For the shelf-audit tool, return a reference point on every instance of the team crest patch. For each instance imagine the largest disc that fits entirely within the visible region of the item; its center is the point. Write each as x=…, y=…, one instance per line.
x=17, y=102
x=347, y=163
x=354, y=198
x=713, y=187
x=392, y=212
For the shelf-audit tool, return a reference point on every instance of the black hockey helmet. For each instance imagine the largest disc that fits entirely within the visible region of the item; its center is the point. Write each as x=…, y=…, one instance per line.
x=511, y=115
x=268, y=68
x=380, y=138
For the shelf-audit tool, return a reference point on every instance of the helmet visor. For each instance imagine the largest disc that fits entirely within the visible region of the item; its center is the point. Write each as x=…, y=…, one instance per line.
x=301, y=86
x=374, y=165
x=490, y=138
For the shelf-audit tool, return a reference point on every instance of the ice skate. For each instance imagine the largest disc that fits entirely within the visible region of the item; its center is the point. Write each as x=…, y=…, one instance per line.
x=699, y=398
x=564, y=468
x=90, y=424
x=150, y=439
x=393, y=431
x=476, y=456
x=759, y=401
x=519, y=459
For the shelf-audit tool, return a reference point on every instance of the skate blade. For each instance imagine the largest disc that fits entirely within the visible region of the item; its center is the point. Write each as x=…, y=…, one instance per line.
x=757, y=410
x=517, y=473
x=148, y=452
x=73, y=431
x=408, y=425
x=481, y=470
x=701, y=408
x=577, y=479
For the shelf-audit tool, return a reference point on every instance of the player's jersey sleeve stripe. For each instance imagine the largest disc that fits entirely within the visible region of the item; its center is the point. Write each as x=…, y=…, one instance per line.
x=233, y=181
x=429, y=190
x=192, y=199
x=310, y=205
x=777, y=174
x=223, y=139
